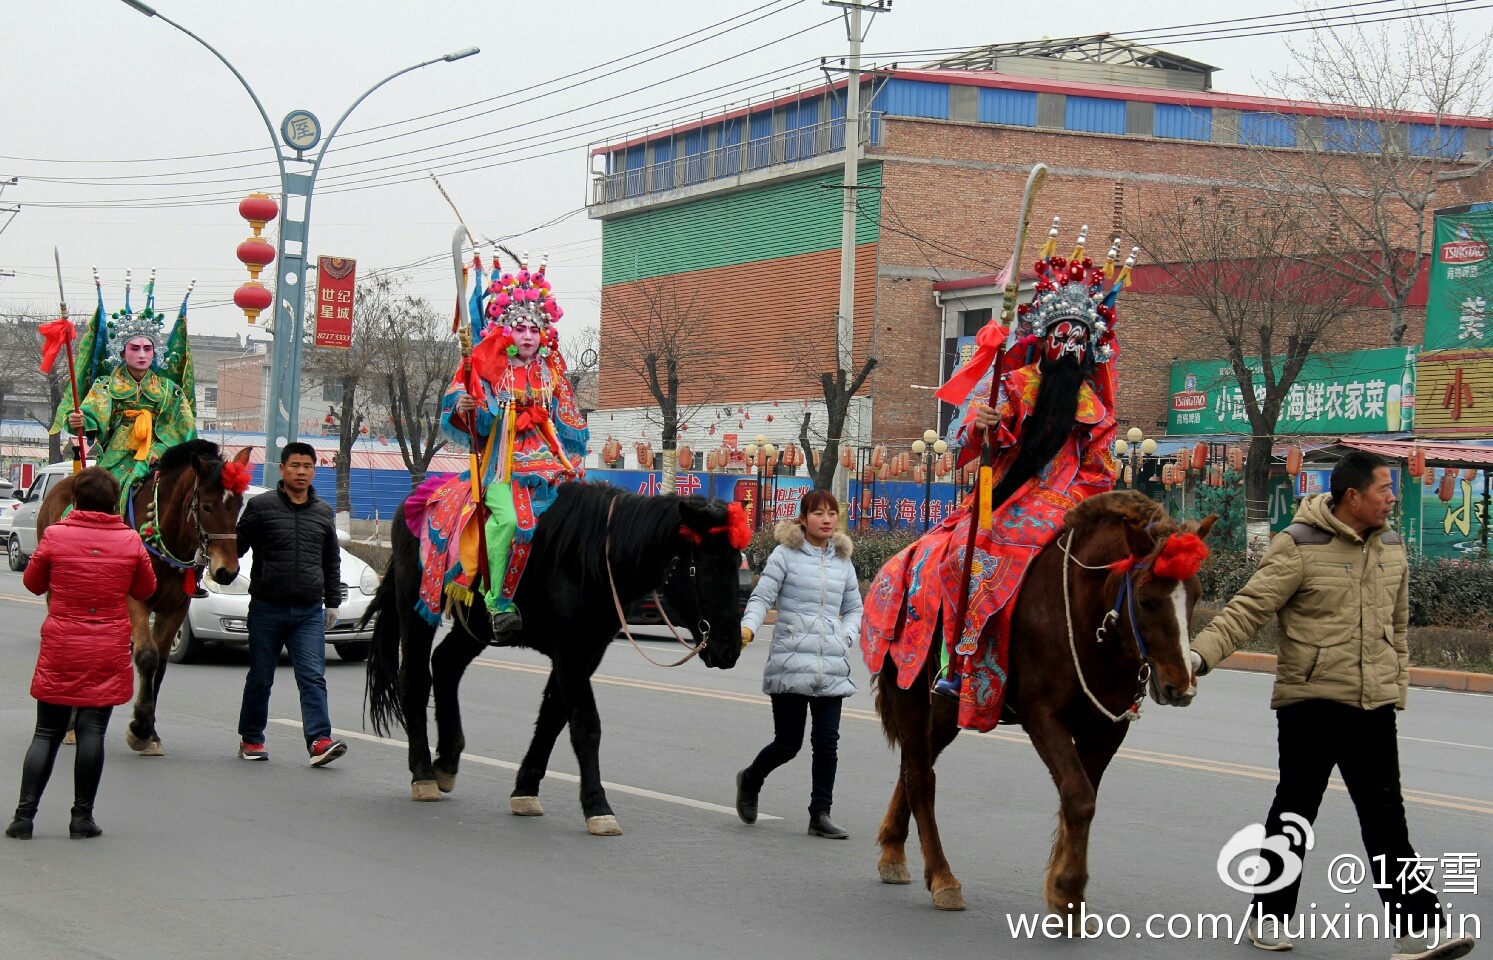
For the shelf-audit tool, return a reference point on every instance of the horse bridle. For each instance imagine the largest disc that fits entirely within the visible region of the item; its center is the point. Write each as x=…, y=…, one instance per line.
x=702, y=623
x=159, y=548
x=1126, y=600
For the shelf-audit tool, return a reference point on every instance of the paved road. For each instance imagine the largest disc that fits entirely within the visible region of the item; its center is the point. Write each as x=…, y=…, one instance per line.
x=206, y=856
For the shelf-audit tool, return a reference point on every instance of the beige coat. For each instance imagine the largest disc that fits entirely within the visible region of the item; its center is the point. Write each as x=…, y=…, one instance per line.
x=1344, y=608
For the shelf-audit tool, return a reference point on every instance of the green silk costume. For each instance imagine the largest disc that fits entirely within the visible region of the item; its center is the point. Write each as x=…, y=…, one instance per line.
x=113, y=410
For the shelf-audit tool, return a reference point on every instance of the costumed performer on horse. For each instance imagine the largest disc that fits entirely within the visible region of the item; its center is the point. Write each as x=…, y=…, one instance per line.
x=513, y=406
x=140, y=401
x=1040, y=403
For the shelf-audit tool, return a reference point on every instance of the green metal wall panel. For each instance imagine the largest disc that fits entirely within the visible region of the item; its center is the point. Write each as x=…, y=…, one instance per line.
x=763, y=223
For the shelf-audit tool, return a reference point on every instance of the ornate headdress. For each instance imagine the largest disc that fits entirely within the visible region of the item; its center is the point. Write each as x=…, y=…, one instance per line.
x=1072, y=288
x=126, y=325
x=511, y=298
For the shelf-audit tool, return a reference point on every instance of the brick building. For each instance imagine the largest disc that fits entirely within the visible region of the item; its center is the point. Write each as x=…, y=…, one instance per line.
x=739, y=214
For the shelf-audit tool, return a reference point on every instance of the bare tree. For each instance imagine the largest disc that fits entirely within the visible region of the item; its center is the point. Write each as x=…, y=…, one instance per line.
x=653, y=334
x=24, y=389
x=414, y=360
x=818, y=366
x=1233, y=288
x=1368, y=177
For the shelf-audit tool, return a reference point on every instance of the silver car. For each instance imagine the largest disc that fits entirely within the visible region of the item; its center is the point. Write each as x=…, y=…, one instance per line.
x=223, y=615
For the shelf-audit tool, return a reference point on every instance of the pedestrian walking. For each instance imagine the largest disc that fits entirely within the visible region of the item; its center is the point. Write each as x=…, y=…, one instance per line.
x=1338, y=581
x=295, y=588
x=811, y=581
x=90, y=564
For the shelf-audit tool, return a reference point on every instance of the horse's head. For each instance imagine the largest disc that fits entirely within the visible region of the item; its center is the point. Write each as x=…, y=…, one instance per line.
x=219, y=498
x=1159, y=586
x=702, y=584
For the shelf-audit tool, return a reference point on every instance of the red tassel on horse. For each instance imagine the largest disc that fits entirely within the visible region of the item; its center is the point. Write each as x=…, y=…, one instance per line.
x=189, y=581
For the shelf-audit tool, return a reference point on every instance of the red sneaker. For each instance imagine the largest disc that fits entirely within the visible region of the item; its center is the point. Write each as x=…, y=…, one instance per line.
x=325, y=750
x=252, y=751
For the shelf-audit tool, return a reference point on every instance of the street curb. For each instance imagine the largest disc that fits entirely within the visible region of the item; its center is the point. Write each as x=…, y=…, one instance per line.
x=1419, y=676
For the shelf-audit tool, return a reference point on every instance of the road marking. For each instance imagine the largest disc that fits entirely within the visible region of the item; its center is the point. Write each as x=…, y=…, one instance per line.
x=15, y=599
x=1447, y=743
x=1225, y=767
x=549, y=774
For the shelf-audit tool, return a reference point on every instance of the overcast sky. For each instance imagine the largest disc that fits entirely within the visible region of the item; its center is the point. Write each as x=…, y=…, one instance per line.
x=109, y=115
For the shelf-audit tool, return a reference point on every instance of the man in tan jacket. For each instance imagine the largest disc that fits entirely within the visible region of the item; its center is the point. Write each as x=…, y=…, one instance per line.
x=1338, y=581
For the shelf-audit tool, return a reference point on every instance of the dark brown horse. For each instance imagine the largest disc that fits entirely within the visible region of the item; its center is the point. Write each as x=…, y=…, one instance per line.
x=185, y=499
x=688, y=548
x=1075, y=717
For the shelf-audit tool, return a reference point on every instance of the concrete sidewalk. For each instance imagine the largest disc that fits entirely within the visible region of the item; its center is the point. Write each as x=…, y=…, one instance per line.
x=1419, y=676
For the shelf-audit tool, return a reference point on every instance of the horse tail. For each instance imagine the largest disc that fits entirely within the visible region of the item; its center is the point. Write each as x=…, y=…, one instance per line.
x=885, y=688
x=381, y=693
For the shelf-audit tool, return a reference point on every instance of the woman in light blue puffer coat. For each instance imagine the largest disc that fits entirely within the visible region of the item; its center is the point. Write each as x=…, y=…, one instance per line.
x=810, y=579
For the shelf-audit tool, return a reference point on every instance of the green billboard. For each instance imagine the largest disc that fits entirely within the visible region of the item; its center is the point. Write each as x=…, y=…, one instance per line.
x=1461, y=282
x=1363, y=391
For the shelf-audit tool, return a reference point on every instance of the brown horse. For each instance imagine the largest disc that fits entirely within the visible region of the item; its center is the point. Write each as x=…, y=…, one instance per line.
x=197, y=518
x=1125, y=631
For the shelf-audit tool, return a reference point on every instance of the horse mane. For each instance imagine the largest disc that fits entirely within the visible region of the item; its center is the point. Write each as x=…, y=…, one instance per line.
x=1120, y=506
x=576, y=526
x=180, y=456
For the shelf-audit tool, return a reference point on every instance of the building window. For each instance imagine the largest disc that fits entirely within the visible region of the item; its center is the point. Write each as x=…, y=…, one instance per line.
x=1426, y=140
x=1352, y=136
x=210, y=395
x=1267, y=130
x=1177, y=122
x=1095, y=115
x=970, y=321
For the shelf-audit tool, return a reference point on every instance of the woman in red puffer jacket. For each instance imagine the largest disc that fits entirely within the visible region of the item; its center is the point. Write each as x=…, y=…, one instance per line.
x=90, y=564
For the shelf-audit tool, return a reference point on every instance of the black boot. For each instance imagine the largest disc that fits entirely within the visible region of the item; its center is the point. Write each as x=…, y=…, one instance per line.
x=820, y=825
x=505, y=626
x=82, y=826
x=20, y=827
x=746, y=800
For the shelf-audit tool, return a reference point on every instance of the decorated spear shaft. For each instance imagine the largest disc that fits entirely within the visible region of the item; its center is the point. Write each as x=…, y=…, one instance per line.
x=986, y=482
x=80, y=456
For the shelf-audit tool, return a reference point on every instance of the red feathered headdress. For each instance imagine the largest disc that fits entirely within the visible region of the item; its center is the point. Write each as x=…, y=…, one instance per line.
x=1181, y=557
x=736, y=529
x=236, y=477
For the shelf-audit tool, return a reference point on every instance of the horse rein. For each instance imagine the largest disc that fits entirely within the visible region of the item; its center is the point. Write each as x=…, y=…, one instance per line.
x=622, y=615
x=159, y=548
x=1127, y=589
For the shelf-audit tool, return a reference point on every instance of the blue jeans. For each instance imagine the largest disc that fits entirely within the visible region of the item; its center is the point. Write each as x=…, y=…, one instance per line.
x=301, y=628
x=788, y=711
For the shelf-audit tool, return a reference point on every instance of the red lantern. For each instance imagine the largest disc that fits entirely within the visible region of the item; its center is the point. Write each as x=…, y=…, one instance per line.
x=256, y=253
x=1430, y=477
x=1236, y=459
x=1417, y=465
x=1215, y=478
x=252, y=298
x=1293, y=460
x=847, y=458
x=878, y=456
x=1167, y=473
x=686, y=457
x=881, y=472
x=1199, y=455
x=1448, y=487
x=1469, y=474
x=918, y=473
x=258, y=209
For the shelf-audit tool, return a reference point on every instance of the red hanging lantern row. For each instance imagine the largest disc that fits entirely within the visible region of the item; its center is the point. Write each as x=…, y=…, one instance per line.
x=256, y=253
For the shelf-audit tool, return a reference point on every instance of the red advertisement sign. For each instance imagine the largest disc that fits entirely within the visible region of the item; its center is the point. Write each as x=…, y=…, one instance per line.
x=1464, y=251
x=333, y=326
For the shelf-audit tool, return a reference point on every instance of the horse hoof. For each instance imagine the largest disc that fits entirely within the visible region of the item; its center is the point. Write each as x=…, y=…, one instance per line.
x=894, y=872
x=603, y=826
x=153, y=749
x=71, y=738
x=135, y=743
x=424, y=791
x=525, y=806
x=446, y=781
x=951, y=898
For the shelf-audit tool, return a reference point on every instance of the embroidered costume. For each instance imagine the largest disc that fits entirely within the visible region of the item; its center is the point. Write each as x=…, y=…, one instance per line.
x=131, y=421
x=1045, y=460
x=526, y=435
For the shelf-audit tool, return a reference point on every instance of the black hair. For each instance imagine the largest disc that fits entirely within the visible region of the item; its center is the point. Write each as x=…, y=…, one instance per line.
x=1355, y=472
x=96, y=489
x=1047, y=427
x=295, y=447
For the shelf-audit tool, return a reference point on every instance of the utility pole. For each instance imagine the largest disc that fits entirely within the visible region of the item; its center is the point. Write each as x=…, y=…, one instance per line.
x=855, y=30
x=9, y=213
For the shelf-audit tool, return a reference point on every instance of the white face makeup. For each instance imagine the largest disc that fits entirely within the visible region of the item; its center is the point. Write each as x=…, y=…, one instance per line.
x=138, y=355
x=527, y=338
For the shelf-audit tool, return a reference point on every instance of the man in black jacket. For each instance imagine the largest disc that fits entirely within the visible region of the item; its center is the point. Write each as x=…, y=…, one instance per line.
x=295, y=589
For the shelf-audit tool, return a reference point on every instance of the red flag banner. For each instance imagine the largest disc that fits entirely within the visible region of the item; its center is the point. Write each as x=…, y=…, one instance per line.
x=55, y=336
x=335, y=277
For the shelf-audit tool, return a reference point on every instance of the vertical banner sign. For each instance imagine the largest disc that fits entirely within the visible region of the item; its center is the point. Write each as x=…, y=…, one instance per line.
x=1461, y=283
x=334, y=302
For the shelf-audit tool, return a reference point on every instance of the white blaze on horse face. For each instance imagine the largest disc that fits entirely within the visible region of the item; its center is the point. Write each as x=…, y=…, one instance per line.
x=1184, y=632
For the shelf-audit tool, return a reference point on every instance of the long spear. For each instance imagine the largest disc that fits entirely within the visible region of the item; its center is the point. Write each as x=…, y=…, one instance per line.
x=981, y=517
x=463, y=329
x=80, y=454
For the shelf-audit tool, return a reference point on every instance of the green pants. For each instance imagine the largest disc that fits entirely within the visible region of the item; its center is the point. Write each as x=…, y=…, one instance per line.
x=502, y=524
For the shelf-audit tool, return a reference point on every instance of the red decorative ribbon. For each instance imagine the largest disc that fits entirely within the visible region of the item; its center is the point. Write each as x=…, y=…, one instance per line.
x=988, y=344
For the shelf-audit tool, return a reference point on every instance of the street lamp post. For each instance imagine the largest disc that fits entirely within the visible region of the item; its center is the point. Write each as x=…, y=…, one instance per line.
x=930, y=448
x=1138, y=448
x=301, y=131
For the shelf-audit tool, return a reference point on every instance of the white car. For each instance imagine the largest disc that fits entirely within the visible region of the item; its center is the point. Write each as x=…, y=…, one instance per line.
x=223, y=615
x=8, y=507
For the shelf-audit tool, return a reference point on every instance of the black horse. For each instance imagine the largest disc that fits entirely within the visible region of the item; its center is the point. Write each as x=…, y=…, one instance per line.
x=688, y=548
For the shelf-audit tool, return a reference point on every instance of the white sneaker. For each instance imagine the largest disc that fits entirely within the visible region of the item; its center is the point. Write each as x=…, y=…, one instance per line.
x=1434, y=945
x=1272, y=941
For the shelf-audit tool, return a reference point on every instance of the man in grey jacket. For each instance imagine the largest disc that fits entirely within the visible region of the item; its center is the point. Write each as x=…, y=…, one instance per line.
x=1338, y=582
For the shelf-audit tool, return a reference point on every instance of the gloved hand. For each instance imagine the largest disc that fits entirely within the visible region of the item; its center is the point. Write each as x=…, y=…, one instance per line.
x=746, y=636
x=1195, y=662
x=331, y=618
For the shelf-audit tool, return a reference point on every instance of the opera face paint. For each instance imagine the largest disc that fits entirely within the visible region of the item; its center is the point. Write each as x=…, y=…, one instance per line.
x=527, y=338
x=138, y=355
x=1068, y=338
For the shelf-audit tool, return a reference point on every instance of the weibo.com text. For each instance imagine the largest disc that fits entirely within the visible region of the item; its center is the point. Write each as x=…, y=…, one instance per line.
x=1312, y=924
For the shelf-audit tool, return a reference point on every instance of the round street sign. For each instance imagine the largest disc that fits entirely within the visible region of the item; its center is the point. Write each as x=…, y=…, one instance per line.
x=300, y=130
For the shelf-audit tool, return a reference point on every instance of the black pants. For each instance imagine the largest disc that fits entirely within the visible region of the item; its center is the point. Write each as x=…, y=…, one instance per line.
x=1315, y=736
x=88, y=765
x=788, y=711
